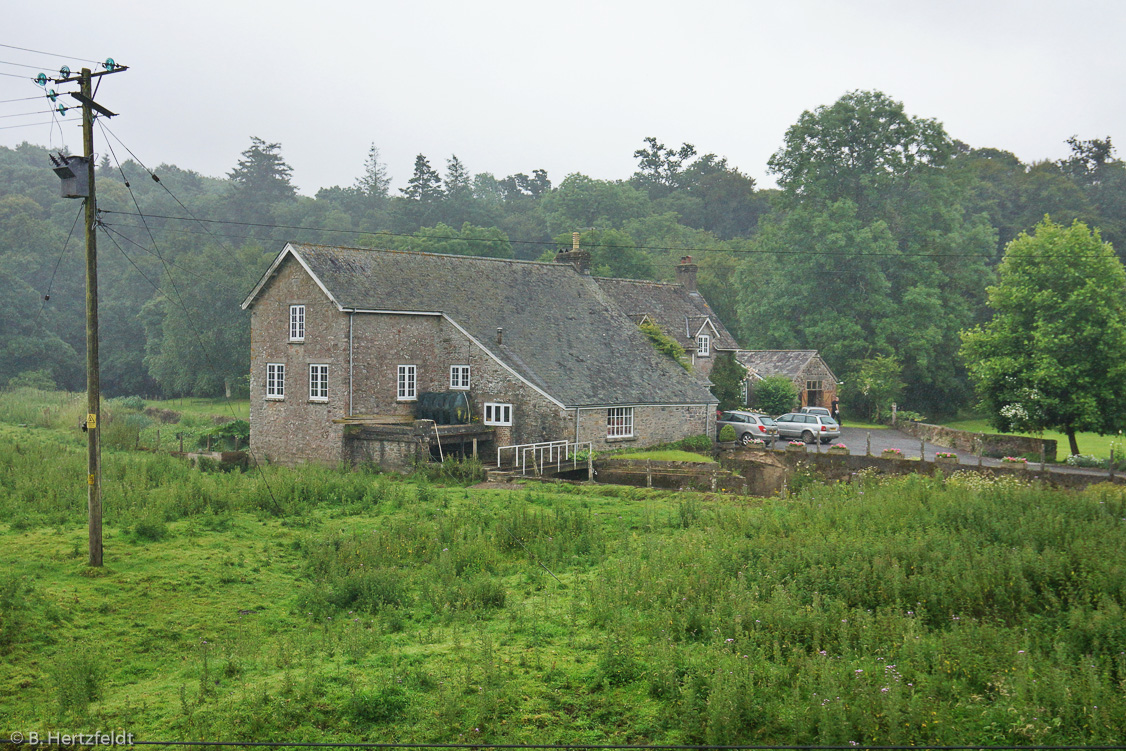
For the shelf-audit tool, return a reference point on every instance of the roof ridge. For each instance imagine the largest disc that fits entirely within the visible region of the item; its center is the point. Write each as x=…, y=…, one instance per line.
x=432, y=255
x=638, y=281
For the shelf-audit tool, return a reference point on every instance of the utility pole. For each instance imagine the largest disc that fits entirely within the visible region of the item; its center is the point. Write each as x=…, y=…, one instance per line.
x=73, y=188
x=93, y=368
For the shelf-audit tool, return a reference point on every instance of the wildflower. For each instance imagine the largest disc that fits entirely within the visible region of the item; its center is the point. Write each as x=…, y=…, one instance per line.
x=729, y=640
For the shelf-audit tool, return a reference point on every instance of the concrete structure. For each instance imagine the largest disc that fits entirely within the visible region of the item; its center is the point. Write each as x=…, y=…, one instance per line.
x=344, y=341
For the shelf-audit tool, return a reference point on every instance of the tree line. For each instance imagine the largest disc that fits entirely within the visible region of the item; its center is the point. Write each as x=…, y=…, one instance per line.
x=877, y=248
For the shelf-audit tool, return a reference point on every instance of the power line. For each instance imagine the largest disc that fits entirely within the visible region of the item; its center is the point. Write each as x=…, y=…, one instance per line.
x=28, y=125
x=22, y=65
x=50, y=54
x=51, y=283
x=29, y=114
x=21, y=99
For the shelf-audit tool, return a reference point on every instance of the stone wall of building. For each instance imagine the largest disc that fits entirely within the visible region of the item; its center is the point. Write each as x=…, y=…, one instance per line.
x=294, y=429
x=816, y=370
x=651, y=425
x=383, y=342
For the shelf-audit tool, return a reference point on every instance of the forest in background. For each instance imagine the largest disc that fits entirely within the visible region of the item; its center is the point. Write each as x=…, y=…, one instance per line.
x=876, y=248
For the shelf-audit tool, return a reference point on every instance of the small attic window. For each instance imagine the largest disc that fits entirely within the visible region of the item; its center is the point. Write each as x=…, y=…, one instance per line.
x=703, y=345
x=296, y=323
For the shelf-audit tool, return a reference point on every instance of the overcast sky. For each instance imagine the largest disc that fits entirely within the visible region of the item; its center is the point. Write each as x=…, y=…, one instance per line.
x=564, y=86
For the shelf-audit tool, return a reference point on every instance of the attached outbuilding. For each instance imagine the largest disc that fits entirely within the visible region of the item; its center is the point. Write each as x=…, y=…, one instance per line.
x=814, y=380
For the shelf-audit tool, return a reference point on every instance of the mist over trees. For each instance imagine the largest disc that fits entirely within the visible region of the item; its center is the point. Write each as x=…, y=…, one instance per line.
x=878, y=245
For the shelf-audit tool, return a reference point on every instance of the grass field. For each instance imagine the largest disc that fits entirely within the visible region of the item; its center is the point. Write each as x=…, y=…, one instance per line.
x=317, y=605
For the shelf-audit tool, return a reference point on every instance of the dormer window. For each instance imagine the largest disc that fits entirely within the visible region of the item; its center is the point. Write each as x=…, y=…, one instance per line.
x=703, y=346
x=296, y=323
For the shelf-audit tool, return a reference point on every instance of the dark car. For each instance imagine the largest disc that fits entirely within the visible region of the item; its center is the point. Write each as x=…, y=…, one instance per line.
x=749, y=426
x=807, y=427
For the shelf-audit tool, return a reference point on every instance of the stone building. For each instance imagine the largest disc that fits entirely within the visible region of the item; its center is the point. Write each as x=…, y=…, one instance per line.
x=815, y=382
x=679, y=310
x=345, y=342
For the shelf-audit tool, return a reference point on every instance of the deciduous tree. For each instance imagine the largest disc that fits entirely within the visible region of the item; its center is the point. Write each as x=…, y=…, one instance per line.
x=1054, y=354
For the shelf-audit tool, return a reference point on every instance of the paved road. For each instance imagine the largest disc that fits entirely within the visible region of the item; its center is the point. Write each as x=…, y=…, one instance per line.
x=857, y=439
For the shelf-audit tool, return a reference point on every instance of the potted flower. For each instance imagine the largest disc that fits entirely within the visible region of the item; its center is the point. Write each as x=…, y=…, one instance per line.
x=839, y=448
x=756, y=444
x=891, y=454
x=796, y=446
x=945, y=457
x=1016, y=462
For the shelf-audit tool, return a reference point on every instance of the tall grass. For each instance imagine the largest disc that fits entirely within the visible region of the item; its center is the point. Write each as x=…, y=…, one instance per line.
x=912, y=611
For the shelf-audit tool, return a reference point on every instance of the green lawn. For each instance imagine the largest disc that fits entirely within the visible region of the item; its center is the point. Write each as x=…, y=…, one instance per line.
x=239, y=408
x=1091, y=444
x=667, y=456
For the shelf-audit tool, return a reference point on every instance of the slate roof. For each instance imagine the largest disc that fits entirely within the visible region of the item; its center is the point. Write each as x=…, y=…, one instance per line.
x=773, y=362
x=562, y=332
x=678, y=312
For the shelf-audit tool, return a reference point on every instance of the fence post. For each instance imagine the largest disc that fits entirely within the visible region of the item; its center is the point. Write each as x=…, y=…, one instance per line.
x=648, y=473
x=1110, y=464
x=590, y=465
x=868, y=450
x=922, y=450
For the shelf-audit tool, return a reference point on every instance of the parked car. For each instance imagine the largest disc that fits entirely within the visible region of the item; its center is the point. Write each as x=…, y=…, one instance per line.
x=749, y=426
x=823, y=411
x=807, y=427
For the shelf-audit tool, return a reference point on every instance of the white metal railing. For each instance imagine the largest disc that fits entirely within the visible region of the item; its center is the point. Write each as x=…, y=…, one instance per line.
x=540, y=456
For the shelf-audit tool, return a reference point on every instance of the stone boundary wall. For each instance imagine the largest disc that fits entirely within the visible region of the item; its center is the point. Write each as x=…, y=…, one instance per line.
x=992, y=444
x=695, y=476
x=840, y=468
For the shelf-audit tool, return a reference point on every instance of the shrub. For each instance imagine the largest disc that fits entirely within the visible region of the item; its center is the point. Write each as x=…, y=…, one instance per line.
x=775, y=395
x=692, y=443
x=228, y=435
x=727, y=433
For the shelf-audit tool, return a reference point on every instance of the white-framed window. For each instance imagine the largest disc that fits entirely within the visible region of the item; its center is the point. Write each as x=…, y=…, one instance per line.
x=498, y=414
x=275, y=380
x=459, y=377
x=703, y=346
x=318, y=382
x=296, y=323
x=408, y=385
x=619, y=422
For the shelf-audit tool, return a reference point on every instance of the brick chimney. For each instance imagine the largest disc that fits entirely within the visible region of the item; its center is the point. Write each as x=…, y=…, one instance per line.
x=580, y=259
x=686, y=273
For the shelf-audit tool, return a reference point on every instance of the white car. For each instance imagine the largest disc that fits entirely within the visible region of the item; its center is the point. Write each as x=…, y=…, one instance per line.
x=807, y=427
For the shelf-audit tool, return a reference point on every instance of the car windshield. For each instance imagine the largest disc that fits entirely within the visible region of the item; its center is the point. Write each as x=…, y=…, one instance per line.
x=766, y=420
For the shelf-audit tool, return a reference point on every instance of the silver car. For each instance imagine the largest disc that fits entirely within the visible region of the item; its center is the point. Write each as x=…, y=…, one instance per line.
x=807, y=427
x=749, y=426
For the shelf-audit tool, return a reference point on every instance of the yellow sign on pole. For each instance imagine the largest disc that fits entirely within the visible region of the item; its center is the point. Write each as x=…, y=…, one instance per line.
x=91, y=421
